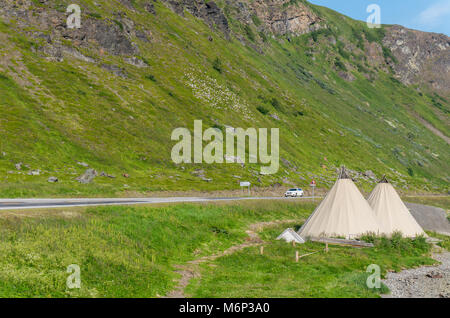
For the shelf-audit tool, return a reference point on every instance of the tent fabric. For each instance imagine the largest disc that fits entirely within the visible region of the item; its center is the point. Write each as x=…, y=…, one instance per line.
x=343, y=213
x=391, y=213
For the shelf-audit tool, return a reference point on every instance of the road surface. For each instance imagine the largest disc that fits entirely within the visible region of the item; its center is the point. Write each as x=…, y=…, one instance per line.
x=21, y=204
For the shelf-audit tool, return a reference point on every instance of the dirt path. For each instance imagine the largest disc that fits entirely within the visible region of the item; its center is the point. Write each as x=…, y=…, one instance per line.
x=422, y=282
x=191, y=269
x=433, y=129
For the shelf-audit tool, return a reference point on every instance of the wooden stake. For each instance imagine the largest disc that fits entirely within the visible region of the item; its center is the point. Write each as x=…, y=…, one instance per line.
x=296, y=256
x=326, y=247
x=293, y=243
x=261, y=250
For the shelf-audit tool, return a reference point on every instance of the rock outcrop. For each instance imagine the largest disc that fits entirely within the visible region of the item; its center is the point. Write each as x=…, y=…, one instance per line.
x=88, y=176
x=206, y=10
x=285, y=17
x=422, y=57
x=278, y=17
x=113, y=36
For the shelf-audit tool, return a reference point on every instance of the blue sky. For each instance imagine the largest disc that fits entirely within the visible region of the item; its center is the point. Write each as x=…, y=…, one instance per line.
x=425, y=15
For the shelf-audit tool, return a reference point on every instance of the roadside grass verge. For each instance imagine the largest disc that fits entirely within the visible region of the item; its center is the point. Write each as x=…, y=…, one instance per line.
x=339, y=273
x=122, y=251
x=445, y=239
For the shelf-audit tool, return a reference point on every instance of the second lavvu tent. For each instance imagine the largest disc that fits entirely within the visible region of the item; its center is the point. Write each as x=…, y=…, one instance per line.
x=391, y=213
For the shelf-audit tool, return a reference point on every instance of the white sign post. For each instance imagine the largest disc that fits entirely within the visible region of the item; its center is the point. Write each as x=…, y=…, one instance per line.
x=313, y=186
x=245, y=184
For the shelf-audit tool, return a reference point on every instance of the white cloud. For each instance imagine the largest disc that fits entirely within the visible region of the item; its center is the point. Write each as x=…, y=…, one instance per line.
x=435, y=13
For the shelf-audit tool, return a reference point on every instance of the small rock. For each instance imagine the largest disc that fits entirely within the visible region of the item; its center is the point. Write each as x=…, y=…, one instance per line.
x=126, y=175
x=135, y=62
x=34, y=172
x=84, y=164
x=150, y=7
x=53, y=179
x=434, y=275
x=18, y=166
x=275, y=116
x=234, y=159
x=370, y=174
x=87, y=177
x=106, y=175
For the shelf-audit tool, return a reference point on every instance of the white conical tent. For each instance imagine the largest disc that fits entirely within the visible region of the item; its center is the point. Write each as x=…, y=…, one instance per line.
x=343, y=213
x=391, y=213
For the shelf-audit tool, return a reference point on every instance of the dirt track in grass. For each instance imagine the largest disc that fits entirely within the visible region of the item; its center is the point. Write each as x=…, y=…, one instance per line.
x=191, y=269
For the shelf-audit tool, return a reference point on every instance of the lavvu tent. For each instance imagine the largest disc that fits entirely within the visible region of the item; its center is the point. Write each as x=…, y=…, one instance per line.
x=343, y=213
x=391, y=213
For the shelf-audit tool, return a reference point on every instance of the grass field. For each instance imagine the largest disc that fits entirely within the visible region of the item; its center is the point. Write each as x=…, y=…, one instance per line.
x=339, y=273
x=133, y=252
x=122, y=251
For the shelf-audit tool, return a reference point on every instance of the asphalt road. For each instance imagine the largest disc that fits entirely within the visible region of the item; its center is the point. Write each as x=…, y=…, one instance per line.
x=430, y=217
x=21, y=204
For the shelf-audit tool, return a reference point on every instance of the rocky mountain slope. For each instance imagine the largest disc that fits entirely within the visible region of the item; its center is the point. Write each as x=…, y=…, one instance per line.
x=107, y=96
x=421, y=58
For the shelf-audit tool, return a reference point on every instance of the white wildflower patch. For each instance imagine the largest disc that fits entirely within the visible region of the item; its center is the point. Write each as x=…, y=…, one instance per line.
x=217, y=96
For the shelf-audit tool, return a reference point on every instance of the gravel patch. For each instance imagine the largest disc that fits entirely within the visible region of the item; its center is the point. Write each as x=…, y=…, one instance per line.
x=423, y=282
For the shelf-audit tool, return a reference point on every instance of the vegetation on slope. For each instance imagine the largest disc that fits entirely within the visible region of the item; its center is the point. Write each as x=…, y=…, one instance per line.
x=331, y=104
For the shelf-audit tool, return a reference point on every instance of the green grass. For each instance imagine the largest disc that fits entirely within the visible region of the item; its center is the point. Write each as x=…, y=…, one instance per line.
x=134, y=251
x=339, y=273
x=121, y=251
x=445, y=239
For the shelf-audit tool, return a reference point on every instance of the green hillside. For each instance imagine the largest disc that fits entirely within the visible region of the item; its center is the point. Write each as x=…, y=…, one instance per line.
x=333, y=104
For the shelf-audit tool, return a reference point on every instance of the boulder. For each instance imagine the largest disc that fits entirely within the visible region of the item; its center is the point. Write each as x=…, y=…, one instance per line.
x=84, y=164
x=34, y=172
x=370, y=174
x=106, y=175
x=87, y=177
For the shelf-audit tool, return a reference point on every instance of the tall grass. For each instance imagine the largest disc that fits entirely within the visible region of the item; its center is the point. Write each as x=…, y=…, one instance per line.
x=121, y=251
x=342, y=272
